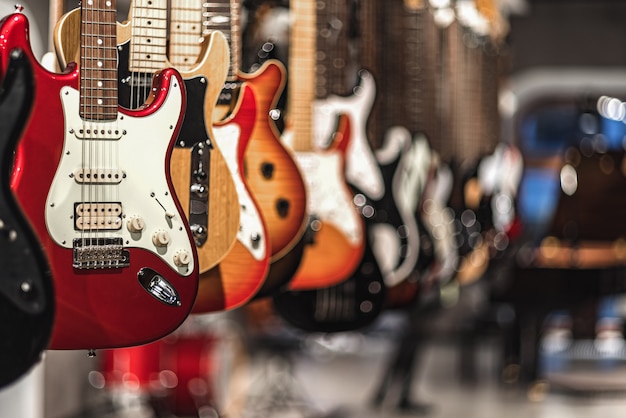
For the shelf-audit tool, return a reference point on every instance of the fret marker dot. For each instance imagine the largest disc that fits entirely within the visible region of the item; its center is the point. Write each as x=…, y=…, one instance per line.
x=99, y=83
x=99, y=41
x=99, y=101
x=99, y=63
x=108, y=3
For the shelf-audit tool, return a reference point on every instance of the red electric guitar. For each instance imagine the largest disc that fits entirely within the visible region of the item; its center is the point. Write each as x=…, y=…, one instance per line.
x=207, y=160
x=93, y=180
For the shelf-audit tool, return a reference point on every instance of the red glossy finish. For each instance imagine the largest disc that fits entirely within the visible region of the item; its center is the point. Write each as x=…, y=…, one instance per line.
x=100, y=308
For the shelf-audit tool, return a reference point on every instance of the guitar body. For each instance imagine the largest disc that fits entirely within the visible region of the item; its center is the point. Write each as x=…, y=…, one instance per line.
x=271, y=171
x=383, y=180
x=215, y=218
x=113, y=287
x=241, y=273
x=336, y=240
x=26, y=289
x=274, y=179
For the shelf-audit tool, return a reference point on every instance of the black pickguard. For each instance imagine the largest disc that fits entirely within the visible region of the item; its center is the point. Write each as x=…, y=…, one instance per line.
x=26, y=287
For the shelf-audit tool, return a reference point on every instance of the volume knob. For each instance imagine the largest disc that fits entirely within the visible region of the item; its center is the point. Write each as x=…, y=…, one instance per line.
x=182, y=258
x=161, y=238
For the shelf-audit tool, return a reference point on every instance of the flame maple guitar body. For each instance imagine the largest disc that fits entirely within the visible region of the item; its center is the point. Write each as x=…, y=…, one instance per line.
x=275, y=179
x=26, y=290
x=145, y=291
x=272, y=172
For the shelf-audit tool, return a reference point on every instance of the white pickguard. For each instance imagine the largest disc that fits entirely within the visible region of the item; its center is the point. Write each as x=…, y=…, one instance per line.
x=361, y=167
x=144, y=192
x=326, y=193
x=407, y=185
x=250, y=222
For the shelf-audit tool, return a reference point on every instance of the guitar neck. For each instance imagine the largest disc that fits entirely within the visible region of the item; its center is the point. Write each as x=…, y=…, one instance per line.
x=301, y=89
x=185, y=32
x=148, y=45
x=98, y=58
x=192, y=19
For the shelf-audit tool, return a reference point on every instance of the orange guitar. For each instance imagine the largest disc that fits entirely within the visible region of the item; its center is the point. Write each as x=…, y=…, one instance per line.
x=337, y=232
x=270, y=170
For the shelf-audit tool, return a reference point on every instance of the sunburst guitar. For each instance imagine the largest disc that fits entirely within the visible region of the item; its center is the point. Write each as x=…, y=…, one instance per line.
x=93, y=179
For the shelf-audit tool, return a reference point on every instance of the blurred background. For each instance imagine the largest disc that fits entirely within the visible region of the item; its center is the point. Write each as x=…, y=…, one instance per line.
x=523, y=313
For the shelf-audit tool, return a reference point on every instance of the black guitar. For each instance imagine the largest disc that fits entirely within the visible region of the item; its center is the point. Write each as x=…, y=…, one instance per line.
x=26, y=292
x=349, y=305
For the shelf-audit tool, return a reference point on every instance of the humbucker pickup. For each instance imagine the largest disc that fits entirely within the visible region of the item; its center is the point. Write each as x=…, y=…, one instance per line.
x=91, y=253
x=98, y=175
x=106, y=216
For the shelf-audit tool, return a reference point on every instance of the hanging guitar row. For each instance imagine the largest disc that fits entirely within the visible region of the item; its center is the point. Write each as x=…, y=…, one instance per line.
x=149, y=177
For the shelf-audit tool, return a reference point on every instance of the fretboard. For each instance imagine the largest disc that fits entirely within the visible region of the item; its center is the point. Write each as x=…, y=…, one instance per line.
x=191, y=20
x=98, y=58
x=149, y=35
x=185, y=32
x=225, y=16
x=301, y=89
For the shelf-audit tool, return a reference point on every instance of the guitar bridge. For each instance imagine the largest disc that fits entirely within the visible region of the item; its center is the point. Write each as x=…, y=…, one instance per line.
x=100, y=253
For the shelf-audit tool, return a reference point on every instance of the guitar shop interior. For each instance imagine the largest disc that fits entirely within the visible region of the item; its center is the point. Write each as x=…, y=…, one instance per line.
x=357, y=208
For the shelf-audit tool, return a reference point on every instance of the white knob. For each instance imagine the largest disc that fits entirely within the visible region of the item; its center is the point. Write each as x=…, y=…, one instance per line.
x=161, y=238
x=182, y=258
x=135, y=224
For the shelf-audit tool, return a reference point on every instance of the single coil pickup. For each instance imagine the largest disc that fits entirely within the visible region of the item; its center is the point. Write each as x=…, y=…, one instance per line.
x=98, y=130
x=106, y=216
x=98, y=175
x=99, y=253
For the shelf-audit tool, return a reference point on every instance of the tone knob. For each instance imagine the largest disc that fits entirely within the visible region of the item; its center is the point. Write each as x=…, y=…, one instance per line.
x=135, y=224
x=182, y=258
x=161, y=238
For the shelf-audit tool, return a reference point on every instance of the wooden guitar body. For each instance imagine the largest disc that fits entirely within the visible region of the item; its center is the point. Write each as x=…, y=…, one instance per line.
x=275, y=179
x=335, y=244
x=26, y=288
x=271, y=171
x=141, y=289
